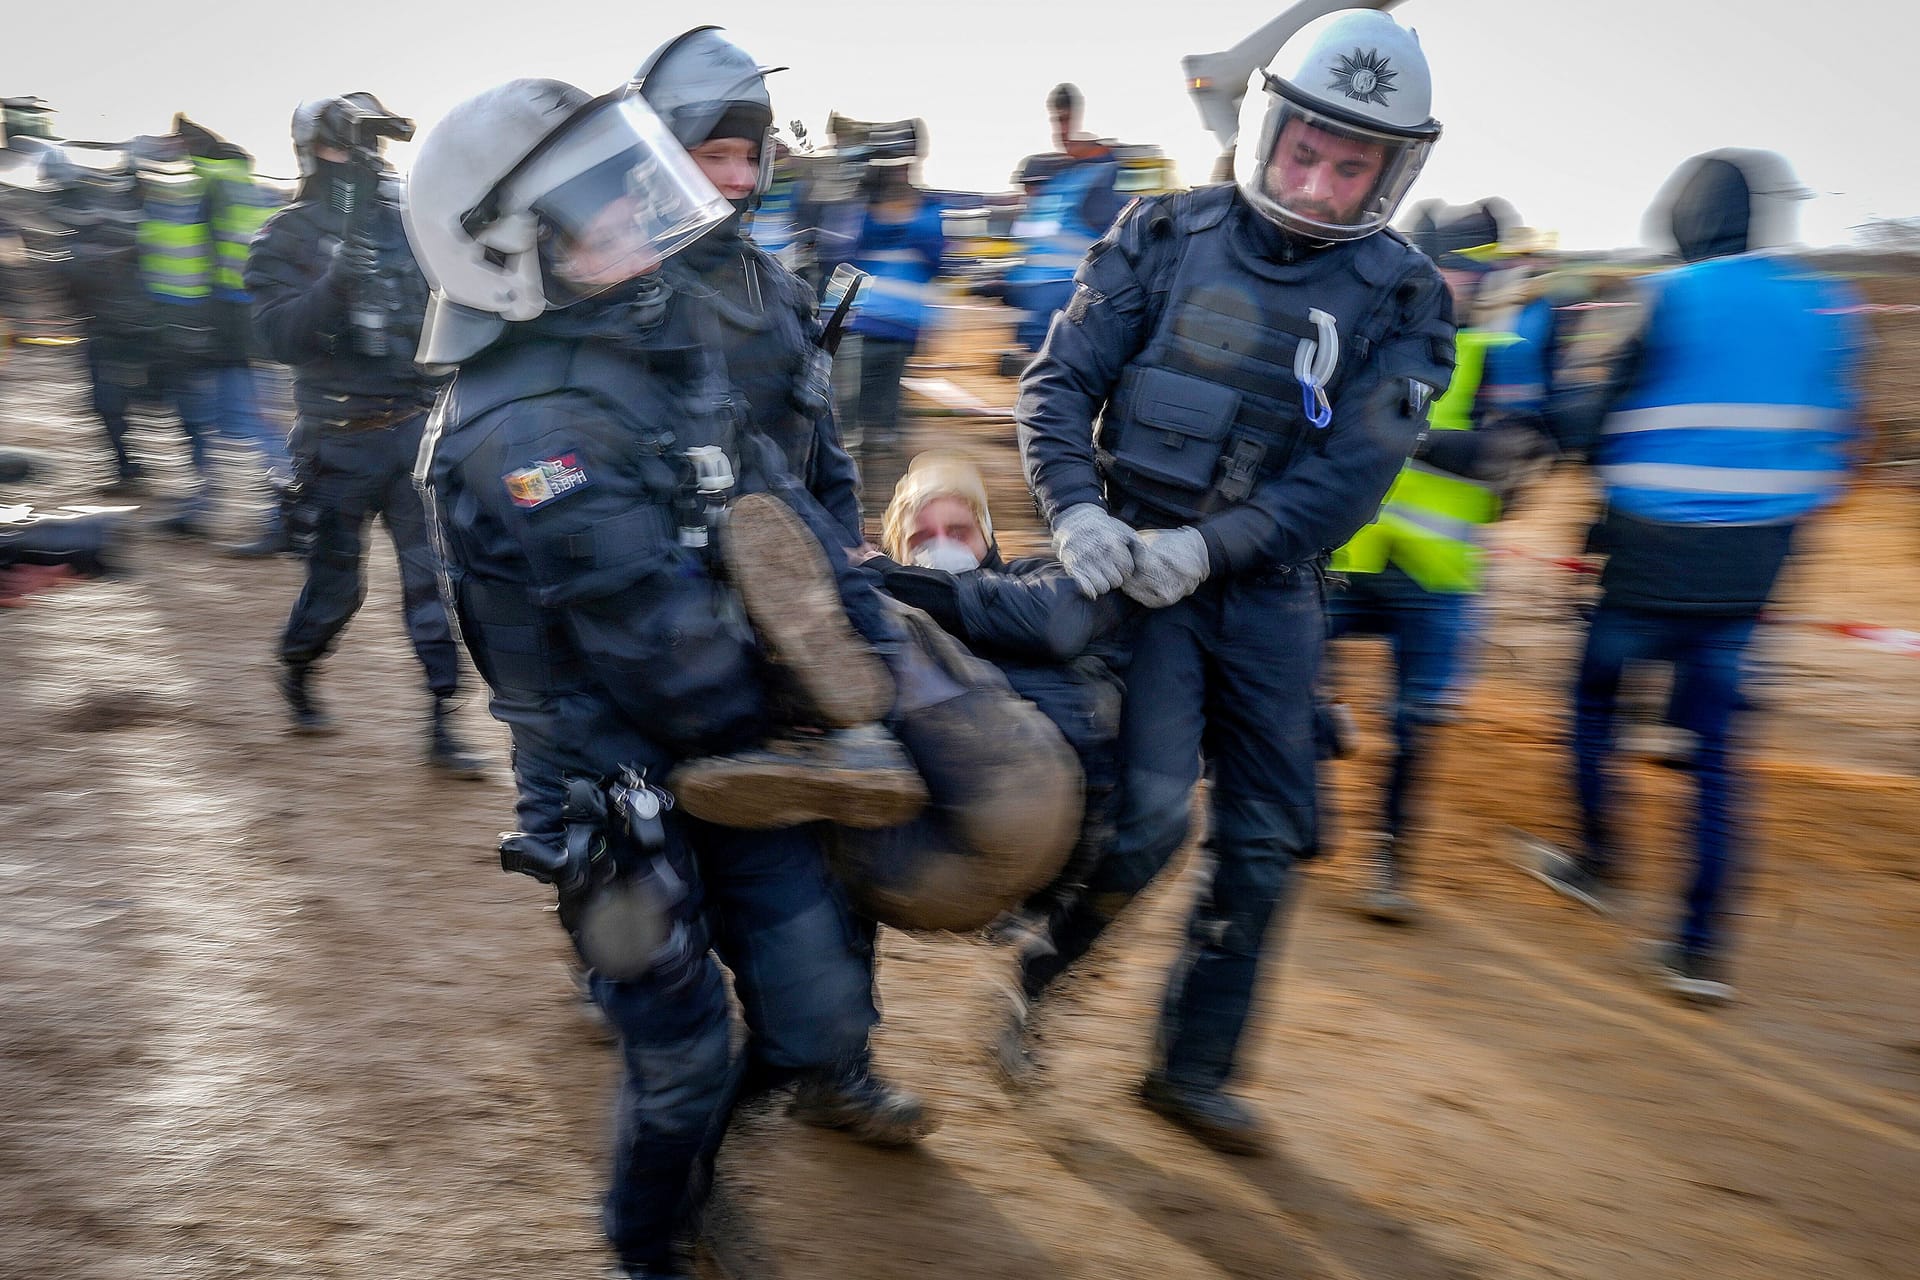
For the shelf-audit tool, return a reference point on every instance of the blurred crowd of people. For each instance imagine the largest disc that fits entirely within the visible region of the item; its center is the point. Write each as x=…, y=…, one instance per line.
x=608, y=366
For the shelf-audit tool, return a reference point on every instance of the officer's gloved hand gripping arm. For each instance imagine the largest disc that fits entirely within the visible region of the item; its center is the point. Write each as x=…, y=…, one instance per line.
x=1327, y=494
x=593, y=517
x=1102, y=328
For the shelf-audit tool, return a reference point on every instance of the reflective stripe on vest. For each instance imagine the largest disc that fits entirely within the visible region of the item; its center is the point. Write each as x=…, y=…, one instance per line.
x=1429, y=525
x=176, y=244
x=241, y=206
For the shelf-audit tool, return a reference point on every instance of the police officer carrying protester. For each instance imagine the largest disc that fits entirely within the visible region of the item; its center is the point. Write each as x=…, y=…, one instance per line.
x=337, y=296
x=581, y=472
x=713, y=96
x=1259, y=359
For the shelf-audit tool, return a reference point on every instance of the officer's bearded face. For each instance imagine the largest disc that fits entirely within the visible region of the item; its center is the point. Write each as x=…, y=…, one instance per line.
x=1323, y=175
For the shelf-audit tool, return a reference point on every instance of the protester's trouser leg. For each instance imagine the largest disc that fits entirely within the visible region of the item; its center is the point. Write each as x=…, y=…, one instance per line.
x=883, y=361
x=1263, y=651
x=1615, y=637
x=802, y=969
x=194, y=395
x=241, y=417
x=406, y=520
x=1709, y=662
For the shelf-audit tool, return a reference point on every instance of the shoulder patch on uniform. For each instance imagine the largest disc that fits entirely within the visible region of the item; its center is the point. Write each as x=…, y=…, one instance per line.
x=546, y=480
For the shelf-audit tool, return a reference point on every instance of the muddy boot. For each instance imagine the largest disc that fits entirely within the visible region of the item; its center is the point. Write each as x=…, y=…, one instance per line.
x=1214, y=1116
x=854, y=777
x=445, y=751
x=296, y=686
x=1386, y=898
x=854, y=1099
x=782, y=576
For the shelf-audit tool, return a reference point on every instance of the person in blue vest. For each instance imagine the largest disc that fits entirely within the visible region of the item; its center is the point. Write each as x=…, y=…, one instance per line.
x=1411, y=574
x=900, y=245
x=1259, y=357
x=1725, y=422
x=1071, y=201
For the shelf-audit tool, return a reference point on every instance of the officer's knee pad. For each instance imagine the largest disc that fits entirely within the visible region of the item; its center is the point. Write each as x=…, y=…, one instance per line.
x=1155, y=814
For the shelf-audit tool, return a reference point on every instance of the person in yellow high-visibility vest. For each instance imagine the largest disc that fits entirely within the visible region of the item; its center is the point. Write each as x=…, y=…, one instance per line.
x=1410, y=575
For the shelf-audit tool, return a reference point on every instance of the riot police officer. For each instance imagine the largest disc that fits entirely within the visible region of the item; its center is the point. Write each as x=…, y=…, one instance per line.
x=1259, y=358
x=580, y=473
x=713, y=96
x=338, y=297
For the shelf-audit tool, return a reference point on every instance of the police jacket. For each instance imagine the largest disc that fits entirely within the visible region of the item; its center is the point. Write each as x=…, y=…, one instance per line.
x=301, y=295
x=770, y=328
x=1166, y=390
x=1057, y=648
x=553, y=468
x=1725, y=423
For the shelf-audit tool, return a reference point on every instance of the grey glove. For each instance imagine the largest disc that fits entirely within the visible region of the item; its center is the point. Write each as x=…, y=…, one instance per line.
x=1097, y=551
x=1170, y=565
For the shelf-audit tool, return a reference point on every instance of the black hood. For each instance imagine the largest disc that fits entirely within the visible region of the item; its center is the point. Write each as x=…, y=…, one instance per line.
x=1713, y=211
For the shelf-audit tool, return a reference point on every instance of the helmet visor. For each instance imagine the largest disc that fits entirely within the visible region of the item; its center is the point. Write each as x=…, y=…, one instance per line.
x=1323, y=176
x=614, y=197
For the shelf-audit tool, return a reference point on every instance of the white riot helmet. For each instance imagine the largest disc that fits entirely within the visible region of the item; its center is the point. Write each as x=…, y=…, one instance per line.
x=1336, y=130
x=534, y=196
x=705, y=86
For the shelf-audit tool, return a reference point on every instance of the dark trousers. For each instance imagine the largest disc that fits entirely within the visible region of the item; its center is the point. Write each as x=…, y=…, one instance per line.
x=111, y=402
x=802, y=968
x=1707, y=653
x=883, y=362
x=1227, y=674
x=348, y=478
x=1424, y=630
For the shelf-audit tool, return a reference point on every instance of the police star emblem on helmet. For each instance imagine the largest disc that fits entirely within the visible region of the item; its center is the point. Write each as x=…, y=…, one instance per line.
x=1364, y=77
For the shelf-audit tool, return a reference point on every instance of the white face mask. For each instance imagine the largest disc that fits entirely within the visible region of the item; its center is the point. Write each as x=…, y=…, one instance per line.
x=945, y=554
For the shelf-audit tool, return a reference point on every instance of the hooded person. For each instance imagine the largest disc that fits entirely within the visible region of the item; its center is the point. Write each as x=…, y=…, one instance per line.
x=1724, y=423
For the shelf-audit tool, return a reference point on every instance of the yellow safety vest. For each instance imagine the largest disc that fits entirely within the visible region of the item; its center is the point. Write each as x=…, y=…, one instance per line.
x=1429, y=524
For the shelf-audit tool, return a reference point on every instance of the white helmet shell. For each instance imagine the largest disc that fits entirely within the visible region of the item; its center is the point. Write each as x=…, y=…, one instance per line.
x=1353, y=83
x=533, y=196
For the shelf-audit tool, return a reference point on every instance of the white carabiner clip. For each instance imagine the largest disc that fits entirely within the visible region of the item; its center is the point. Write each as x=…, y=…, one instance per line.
x=1314, y=360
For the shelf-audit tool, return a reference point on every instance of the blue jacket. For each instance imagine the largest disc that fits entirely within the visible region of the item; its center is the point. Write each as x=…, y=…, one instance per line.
x=1724, y=425
x=903, y=258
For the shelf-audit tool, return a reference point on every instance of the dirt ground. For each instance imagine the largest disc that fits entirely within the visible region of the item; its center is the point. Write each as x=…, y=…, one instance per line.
x=270, y=1009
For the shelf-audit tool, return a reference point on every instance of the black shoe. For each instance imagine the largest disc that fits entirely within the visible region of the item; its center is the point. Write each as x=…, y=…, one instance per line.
x=865, y=1106
x=1692, y=975
x=1217, y=1118
x=1386, y=897
x=274, y=542
x=295, y=682
x=1568, y=876
x=446, y=752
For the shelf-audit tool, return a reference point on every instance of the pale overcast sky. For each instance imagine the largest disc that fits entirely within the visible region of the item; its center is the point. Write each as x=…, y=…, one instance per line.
x=1575, y=110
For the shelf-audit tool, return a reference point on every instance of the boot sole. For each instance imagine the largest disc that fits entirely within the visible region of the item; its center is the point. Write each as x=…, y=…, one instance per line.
x=769, y=796
x=787, y=587
x=1231, y=1142
x=864, y=1127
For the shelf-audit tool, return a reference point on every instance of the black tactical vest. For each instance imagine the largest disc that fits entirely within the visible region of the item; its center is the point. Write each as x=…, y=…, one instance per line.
x=1211, y=406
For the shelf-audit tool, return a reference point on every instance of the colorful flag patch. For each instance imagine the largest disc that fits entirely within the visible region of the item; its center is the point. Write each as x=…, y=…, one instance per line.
x=545, y=480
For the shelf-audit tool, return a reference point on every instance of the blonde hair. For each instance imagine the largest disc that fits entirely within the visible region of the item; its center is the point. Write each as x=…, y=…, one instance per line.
x=939, y=473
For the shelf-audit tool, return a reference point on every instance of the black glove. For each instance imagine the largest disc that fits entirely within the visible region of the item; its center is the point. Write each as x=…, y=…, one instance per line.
x=354, y=260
